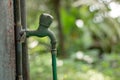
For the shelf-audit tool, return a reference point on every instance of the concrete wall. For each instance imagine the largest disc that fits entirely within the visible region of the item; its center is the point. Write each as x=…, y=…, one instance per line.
x=7, y=46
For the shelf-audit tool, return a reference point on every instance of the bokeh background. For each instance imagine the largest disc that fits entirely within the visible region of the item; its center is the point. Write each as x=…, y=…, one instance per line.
x=88, y=34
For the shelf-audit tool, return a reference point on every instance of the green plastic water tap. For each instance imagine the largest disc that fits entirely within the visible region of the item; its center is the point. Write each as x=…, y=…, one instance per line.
x=43, y=30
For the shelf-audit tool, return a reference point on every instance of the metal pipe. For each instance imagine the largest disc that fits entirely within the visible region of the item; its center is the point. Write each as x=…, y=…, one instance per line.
x=25, y=61
x=43, y=31
x=17, y=20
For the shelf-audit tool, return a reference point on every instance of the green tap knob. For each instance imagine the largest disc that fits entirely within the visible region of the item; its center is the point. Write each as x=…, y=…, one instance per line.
x=45, y=20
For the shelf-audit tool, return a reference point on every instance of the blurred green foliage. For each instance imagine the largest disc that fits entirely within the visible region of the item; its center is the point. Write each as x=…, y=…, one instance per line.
x=91, y=40
x=72, y=69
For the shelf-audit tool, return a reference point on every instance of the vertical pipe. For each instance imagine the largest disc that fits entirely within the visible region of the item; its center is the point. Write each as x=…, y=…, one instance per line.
x=54, y=68
x=25, y=61
x=23, y=13
x=17, y=18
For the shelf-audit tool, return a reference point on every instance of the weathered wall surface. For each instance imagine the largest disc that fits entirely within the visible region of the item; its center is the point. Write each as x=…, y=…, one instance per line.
x=7, y=49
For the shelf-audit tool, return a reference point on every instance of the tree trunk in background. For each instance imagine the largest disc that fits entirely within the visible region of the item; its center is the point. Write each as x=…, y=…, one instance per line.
x=7, y=45
x=61, y=48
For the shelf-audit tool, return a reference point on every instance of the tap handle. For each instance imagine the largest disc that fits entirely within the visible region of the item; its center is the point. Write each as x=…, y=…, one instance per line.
x=45, y=20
